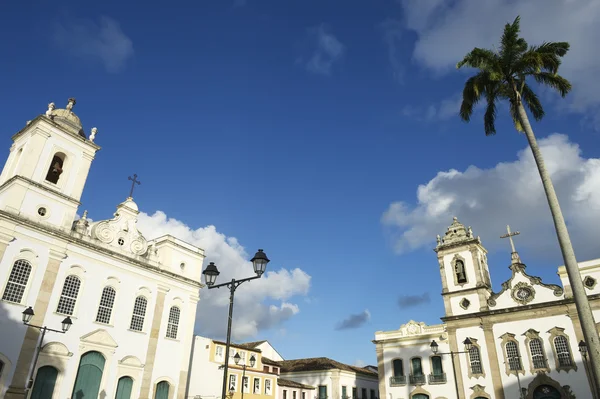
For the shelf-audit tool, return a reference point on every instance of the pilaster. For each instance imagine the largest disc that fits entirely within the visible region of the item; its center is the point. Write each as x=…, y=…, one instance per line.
x=459, y=374
x=187, y=345
x=157, y=317
x=30, y=341
x=490, y=345
x=381, y=370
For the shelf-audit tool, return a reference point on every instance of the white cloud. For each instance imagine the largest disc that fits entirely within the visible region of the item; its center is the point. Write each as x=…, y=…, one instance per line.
x=448, y=30
x=509, y=193
x=103, y=41
x=392, y=35
x=359, y=363
x=261, y=304
x=328, y=51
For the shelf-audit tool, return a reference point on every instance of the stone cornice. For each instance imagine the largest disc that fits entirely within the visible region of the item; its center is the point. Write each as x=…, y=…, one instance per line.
x=44, y=118
x=94, y=247
x=40, y=186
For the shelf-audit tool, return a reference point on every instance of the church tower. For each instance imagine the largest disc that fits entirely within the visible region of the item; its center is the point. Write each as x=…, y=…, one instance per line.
x=46, y=170
x=466, y=284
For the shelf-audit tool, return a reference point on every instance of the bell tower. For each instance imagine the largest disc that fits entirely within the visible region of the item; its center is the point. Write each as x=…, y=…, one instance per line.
x=466, y=284
x=46, y=170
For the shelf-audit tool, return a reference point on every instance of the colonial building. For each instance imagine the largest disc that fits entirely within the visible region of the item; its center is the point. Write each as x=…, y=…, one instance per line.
x=332, y=379
x=519, y=342
x=253, y=377
x=132, y=301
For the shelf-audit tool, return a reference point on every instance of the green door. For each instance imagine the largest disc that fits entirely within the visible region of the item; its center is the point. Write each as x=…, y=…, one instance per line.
x=420, y=396
x=546, y=392
x=89, y=375
x=162, y=390
x=124, y=388
x=44, y=383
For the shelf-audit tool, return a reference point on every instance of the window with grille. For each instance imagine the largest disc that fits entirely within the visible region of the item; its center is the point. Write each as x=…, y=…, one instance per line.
x=173, y=322
x=139, y=312
x=107, y=301
x=17, y=281
x=233, y=382
x=475, y=360
x=68, y=296
x=537, y=353
x=267, y=387
x=562, y=351
x=512, y=355
x=246, y=384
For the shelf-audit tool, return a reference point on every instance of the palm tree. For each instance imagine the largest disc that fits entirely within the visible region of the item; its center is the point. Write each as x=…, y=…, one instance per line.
x=504, y=75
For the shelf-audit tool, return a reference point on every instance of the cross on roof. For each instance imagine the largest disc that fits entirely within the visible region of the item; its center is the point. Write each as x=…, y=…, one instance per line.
x=133, y=183
x=510, y=234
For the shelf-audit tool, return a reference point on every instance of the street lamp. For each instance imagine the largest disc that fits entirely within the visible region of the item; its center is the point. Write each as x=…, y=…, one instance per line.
x=468, y=345
x=27, y=315
x=259, y=262
x=237, y=358
x=583, y=349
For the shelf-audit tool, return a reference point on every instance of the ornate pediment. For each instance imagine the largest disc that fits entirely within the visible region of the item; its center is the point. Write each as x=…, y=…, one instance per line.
x=131, y=361
x=100, y=337
x=121, y=231
x=56, y=348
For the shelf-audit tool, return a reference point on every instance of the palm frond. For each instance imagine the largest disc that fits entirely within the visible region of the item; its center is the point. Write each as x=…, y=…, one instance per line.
x=511, y=45
x=489, y=119
x=479, y=58
x=474, y=88
x=557, y=82
x=556, y=48
x=533, y=102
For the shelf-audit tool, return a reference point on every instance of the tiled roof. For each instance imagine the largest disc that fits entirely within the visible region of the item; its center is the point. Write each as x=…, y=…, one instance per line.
x=270, y=362
x=254, y=344
x=292, y=384
x=239, y=346
x=320, y=363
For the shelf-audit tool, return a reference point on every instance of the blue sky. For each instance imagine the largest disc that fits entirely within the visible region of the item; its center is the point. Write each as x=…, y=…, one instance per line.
x=320, y=131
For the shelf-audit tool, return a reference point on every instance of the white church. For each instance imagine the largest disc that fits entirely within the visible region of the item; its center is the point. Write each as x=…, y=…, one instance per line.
x=119, y=309
x=524, y=341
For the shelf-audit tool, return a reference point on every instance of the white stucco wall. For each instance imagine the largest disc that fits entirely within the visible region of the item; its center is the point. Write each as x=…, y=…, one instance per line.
x=334, y=380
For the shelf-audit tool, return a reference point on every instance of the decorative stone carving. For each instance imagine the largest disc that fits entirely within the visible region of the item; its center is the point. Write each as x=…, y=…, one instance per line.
x=121, y=231
x=523, y=293
x=456, y=234
x=57, y=349
x=51, y=107
x=93, y=134
x=100, y=337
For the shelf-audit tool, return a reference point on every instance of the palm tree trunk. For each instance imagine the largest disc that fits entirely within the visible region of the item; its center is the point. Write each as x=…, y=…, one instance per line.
x=584, y=311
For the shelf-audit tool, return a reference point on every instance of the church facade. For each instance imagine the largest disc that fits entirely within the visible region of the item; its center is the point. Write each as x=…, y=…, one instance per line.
x=520, y=342
x=131, y=301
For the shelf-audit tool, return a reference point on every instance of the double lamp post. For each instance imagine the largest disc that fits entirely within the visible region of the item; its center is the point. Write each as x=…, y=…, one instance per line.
x=27, y=316
x=259, y=262
x=468, y=346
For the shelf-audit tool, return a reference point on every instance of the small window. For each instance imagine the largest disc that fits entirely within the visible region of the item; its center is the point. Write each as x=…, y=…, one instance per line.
x=465, y=303
x=256, y=389
x=173, y=323
x=267, y=387
x=68, y=296
x=139, y=312
x=107, y=301
x=322, y=391
x=562, y=351
x=475, y=360
x=344, y=392
x=513, y=356
x=17, y=281
x=364, y=393
x=233, y=382
x=121, y=241
x=266, y=369
x=461, y=276
x=398, y=367
x=276, y=370
x=417, y=369
x=293, y=394
x=354, y=393
x=436, y=365
x=285, y=394
x=372, y=394
x=537, y=353
x=246, y=384
x=56, y=168
x=303, y=395
x=42, y=211
x=219, y=352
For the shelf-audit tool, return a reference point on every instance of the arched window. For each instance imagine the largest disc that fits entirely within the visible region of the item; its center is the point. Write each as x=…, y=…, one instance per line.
x=563, y=353
x=139, y=312
x=398, y=367
x=68, y=296
x=513, y=356
x=475, y=361
x=56, y=167
x=124, y=387
x=17, y=281
x=537, y=353
x=173, y=322
x=162, y=390
x=45, y=380
x=461, y=276
x=107, y=301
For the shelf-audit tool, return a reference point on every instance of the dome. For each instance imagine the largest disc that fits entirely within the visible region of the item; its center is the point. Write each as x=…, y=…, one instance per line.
x=66, y=118
x=129, y=204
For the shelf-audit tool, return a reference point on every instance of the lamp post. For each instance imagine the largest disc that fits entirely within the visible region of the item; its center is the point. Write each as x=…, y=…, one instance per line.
x=583, y=350
x=27, y=316
x=468, y=346
x=259, y=262
x=237, y=358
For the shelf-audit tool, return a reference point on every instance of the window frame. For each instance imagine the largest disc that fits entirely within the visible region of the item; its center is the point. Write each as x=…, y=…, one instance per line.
x=254, y=390
x=75, y=299
x=474, y=347
x=506, y=339
x=453, y=262
x=556, y=332
x=112, y=306
x=169, y=331
x=532, y=335
x=24, y=258
x=133, y=314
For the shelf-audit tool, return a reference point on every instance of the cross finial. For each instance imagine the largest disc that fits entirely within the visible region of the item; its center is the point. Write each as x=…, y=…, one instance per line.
x=509, y=234
x=134, y=181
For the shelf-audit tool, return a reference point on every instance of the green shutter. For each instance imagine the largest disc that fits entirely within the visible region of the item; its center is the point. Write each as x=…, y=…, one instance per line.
x=436, y=362
x=124, y=388
x=416, y=366
x=162, y=390
x=420, y=396
x=344, y=396
x=89, y=375
x=45, y=380
x=398, y=369
x=322, y=391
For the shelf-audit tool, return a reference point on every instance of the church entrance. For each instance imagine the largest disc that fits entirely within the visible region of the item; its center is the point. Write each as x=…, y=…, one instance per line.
x=162, y=390
x=124, y=388
x=43, y=388
x=546, y=392
x=89, y=375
